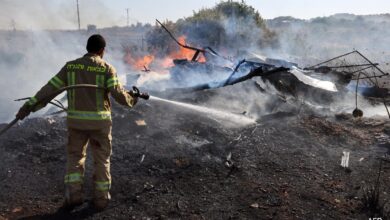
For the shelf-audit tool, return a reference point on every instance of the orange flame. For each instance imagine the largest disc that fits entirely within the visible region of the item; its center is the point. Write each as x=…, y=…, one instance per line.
x=139, y=63
x=182, y=53
x=146, y=61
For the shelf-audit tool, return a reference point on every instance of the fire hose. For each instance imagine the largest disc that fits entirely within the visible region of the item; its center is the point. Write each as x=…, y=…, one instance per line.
x=135, y=93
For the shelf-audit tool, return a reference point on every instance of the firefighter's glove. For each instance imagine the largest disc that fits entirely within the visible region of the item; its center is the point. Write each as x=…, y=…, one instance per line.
x=135, y=99
x=131, y=92
x=23, y=112
x=134, y=96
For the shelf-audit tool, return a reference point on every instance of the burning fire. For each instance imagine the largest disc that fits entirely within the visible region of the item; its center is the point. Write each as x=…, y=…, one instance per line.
x=185, y=53
x=144, y=62
x=140, y=63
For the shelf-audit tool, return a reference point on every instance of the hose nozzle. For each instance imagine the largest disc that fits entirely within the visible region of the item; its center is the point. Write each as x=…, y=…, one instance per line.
x=136, y=93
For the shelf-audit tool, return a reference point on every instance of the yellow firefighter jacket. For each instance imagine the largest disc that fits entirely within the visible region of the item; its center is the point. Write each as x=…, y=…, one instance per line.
x=88, y=108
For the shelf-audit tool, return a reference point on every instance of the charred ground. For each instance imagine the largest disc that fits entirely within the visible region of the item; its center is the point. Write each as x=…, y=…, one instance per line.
x=178, y=166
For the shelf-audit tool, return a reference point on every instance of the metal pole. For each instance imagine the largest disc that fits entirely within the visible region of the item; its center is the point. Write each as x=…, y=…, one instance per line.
x=355, y=65
x=142, y=39
x=127, y=11
x=9, y=126
x=335, y=58
x=13, y=25
x=369, y=61
x=78, y=14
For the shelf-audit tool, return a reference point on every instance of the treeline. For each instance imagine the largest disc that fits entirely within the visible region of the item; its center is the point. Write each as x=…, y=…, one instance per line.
x=227, y=25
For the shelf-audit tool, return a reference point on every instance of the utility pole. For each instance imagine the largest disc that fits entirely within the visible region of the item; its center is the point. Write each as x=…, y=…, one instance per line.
x=13, y=24
x=78, y=14
x=127, y=11
x=142, y=42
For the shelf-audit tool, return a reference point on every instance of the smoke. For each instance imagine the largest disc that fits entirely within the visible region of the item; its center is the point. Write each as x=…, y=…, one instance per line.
x=347, y=104
x=223, y=117
x=44, y=14
x=305, y=42
x=28, y=59
x=309, y=41
x=30, y=53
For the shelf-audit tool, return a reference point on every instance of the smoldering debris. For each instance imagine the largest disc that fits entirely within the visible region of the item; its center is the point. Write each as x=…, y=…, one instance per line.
x=326, y=83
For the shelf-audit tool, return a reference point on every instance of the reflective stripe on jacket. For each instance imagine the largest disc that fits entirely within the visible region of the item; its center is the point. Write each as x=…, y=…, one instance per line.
x=88, y=108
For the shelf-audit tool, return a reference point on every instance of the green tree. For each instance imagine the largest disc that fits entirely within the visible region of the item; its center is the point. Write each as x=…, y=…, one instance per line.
x=229, y=24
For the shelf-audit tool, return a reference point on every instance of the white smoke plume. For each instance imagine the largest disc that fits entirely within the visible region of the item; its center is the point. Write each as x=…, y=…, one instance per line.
x=61, y=15
x=31, y=57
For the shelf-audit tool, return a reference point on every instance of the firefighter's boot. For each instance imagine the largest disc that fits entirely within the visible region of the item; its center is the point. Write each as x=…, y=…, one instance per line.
x=74, y=196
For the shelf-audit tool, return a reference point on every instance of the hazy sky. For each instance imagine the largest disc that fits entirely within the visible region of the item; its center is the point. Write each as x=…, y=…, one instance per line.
x=61, y=14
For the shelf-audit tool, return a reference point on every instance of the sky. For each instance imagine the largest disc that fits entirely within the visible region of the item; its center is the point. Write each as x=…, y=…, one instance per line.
x=61, y=14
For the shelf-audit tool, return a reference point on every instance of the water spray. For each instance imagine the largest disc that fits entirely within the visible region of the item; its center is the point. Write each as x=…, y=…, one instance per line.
x=216, y=114
x=235, y=119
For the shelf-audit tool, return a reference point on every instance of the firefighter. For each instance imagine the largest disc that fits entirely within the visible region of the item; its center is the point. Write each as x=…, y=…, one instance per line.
x=88, y=119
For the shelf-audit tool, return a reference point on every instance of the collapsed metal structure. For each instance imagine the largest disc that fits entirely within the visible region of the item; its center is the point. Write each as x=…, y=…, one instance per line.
x=322, y=82
x=354, y=66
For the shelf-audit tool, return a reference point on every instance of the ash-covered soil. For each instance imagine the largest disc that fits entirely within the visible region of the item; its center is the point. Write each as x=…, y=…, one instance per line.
x=185, y=165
